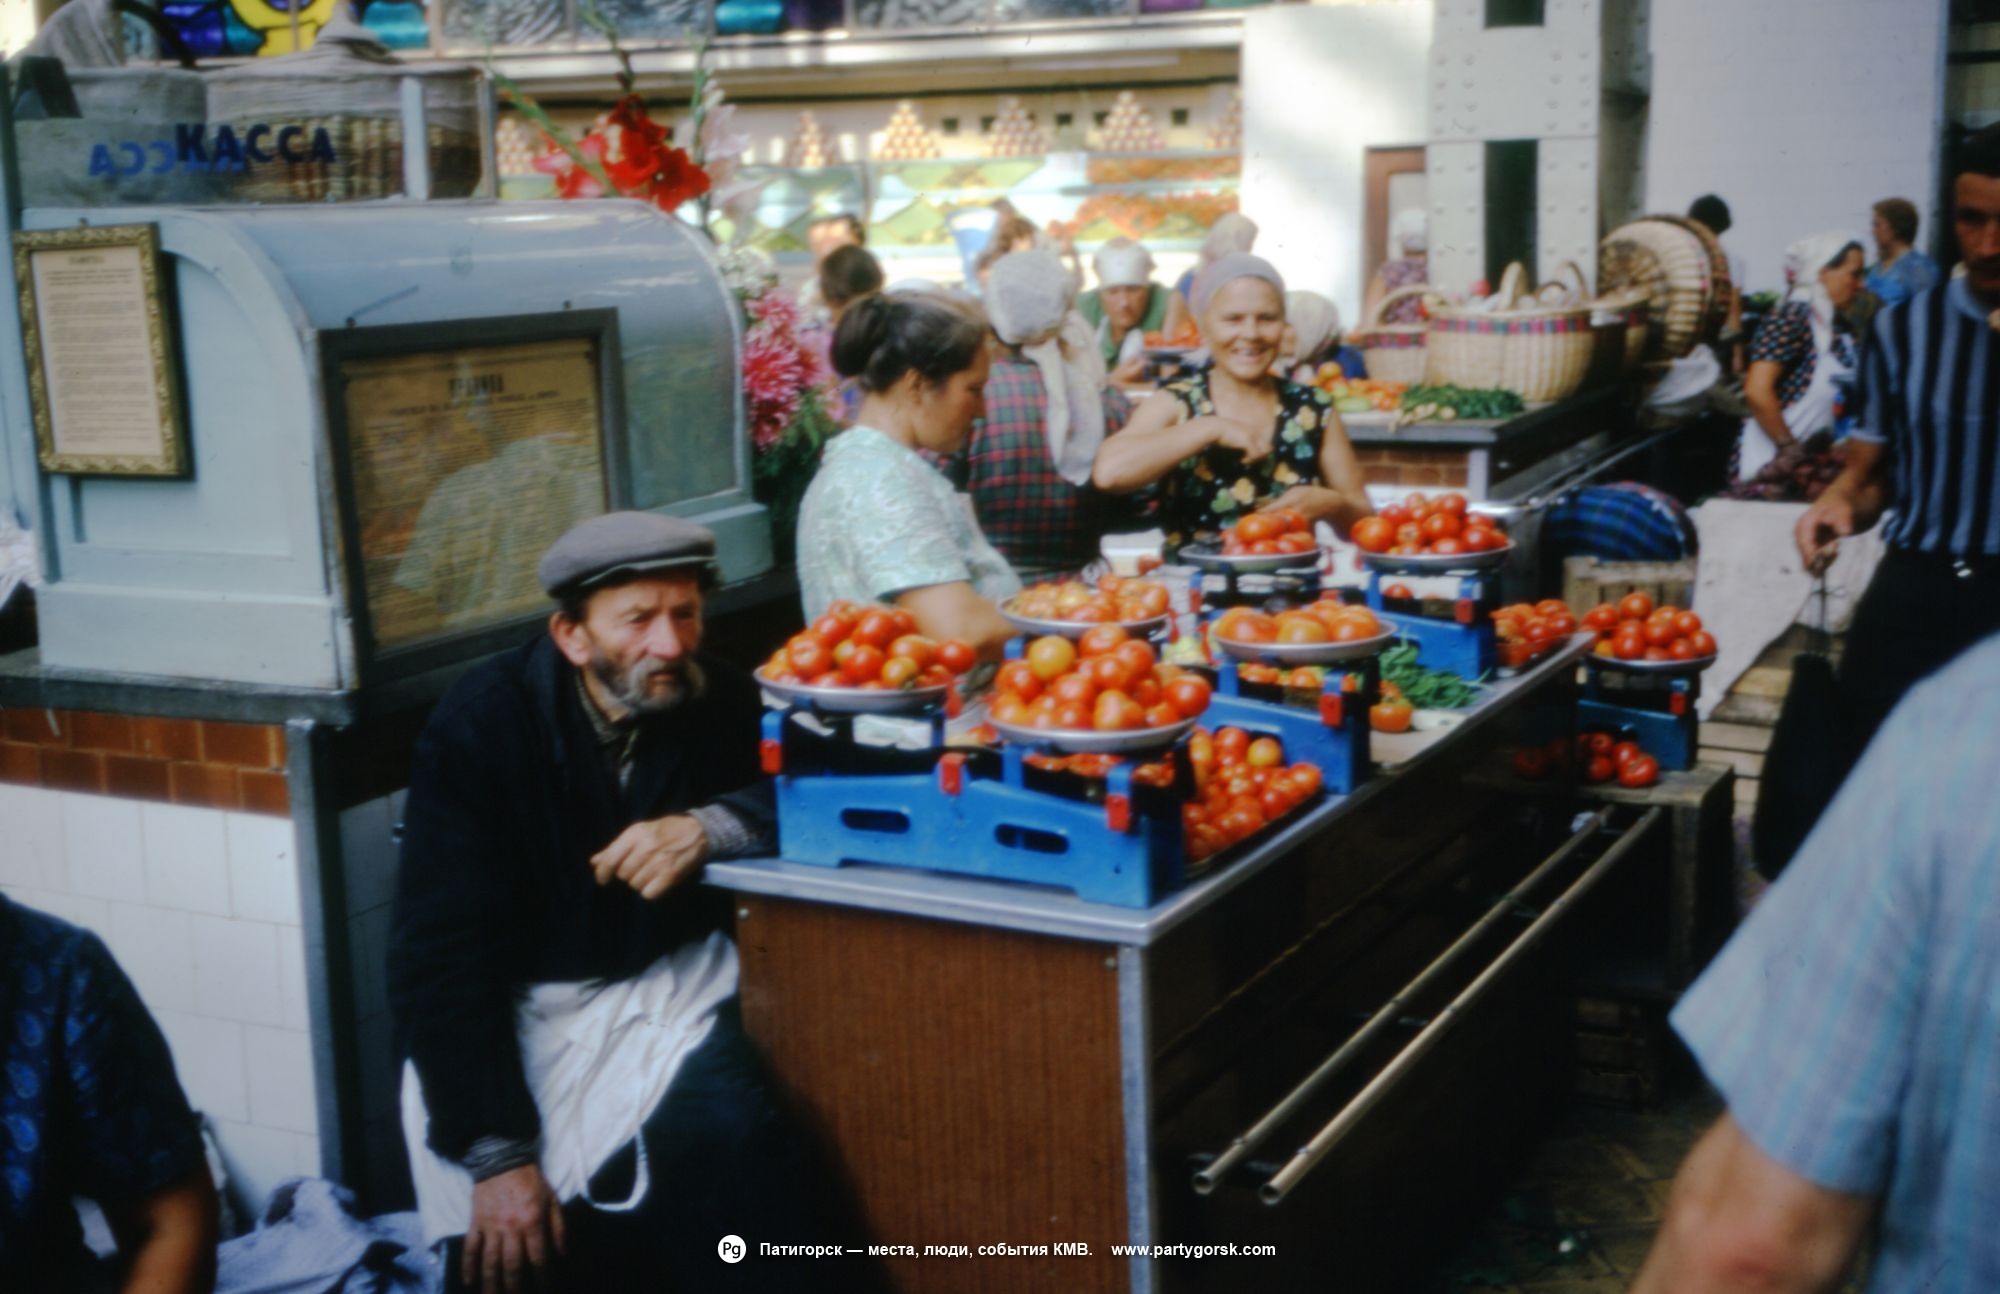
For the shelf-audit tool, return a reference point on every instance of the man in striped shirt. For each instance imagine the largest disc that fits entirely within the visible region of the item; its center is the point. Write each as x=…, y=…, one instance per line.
x=1927, y=451
x=1853, y=1027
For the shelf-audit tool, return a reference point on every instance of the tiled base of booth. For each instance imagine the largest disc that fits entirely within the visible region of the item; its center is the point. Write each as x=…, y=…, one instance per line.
x=177, y=761
x=201, y=908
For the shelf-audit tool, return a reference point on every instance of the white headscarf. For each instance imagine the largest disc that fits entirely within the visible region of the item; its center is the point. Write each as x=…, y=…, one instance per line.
x=1804, y=260
x=1233, y=233
x=1122, y=263
x=1315, y=321
x=1411, y=231
x=1028, y=301
x=1241, y=265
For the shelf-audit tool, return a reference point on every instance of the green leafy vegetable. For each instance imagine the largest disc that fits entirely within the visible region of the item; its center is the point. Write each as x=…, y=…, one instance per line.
x=1426, y=689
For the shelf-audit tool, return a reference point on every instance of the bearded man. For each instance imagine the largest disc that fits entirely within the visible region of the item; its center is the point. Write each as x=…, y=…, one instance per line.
x=581, y=1106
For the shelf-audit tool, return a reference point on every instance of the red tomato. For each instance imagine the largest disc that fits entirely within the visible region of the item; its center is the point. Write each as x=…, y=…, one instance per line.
x=1390, y=716
x=1450, y=545
x=1074, y=689
x=863, y=665
x=906, y=622
x=1562, y=626
x=1108, y=672
x=875, y=629
x=1659, y=633
x=1264, y=752
x=1257, y=527
x=1681, y=649
x=1629, y=646
x=1011, y=709
x=1018, y=678
x=1600, y=769
x=1395, y=514
x=1307, y=778
x=1635, y=606
x=1703, y=643
x=1410, y=532
x=1626, y=751
x=956, y=656
x=1373, y=534
x=1657, y=653
x=1640, y=770
x=1162, y=716
x=1275, y=802
x=809, y=657
x=1149, y=692
x=1451, y=503
x=1482, y=539
x=830, y=629
x=1417, y=505
x=1189, y=695
x=1442, y=525
x=1073, y=716
x=915, y=647
x=1136, y=656
x=1532, y=763
x=1687, y=624
x=1230, y=744
x=1601, y=617
x=900, y=672
x=1598, y=742
x=1550, y=607
x=1117, y=712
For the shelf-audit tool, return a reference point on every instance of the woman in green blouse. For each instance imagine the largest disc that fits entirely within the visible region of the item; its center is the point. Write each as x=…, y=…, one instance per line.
x=879, y=523
x=1235, y=440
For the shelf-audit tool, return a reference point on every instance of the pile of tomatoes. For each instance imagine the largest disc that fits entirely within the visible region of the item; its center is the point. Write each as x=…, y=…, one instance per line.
x=1632, y=628
x=1270, y=533
x=1116, y=600
x=1105, y=681
x=1527, y=630
x=867, y=647
x=1598, y=756
x=1242, y=784
x=1324, y=621
x=1423, y=526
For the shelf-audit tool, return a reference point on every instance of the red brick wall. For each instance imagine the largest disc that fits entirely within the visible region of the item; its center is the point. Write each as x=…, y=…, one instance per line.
x=181, y=761
x=1412, y=465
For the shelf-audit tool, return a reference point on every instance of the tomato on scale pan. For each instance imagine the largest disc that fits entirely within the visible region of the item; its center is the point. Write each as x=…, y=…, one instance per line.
x=1633, y=628
x=1269, y=533
x=867, y=647
x=1419, y=525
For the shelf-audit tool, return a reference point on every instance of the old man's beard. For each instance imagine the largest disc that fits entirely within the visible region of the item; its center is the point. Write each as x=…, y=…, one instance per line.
x=651, y=686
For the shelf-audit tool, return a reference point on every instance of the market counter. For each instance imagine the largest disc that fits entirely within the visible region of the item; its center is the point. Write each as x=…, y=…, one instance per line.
x=1491, y=459
x=1000, y=1064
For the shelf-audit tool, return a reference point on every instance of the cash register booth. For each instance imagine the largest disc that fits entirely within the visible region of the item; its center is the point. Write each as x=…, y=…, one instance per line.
x=287, y=469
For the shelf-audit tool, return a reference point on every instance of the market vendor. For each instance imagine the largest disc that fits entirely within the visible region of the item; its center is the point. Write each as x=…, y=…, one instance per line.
x=1234, y=439
x=1124, y=306
x=579, y=1094
x=879, y=523
x=1027, y=464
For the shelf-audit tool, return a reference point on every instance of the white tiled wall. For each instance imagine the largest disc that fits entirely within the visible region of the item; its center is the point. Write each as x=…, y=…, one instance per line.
x=1800, y=113
x=201, y=908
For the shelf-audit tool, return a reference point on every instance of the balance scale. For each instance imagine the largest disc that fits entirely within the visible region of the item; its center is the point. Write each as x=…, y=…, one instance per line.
x=1655, y=703
x=1333, y=734
x=1463, y=645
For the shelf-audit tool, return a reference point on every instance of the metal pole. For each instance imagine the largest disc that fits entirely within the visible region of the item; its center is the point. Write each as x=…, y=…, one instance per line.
x=1310, y=1154
x=416, y=141
x=1206, y=1180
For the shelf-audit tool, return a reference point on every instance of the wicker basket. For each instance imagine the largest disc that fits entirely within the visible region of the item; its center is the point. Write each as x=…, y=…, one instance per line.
x=1680, y=270
x=1393, y=352
x=1538, y=352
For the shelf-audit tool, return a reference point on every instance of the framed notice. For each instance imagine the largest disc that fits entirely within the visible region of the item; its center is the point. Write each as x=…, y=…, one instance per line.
x=103, y=360
x=463, y=450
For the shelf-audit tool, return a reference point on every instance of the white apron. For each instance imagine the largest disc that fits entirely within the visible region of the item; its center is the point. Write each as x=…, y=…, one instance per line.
x=599, y=1057
x=1810, y=414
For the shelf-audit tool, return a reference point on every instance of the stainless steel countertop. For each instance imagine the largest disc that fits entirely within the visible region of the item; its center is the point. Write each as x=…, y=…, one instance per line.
x=1010, y=906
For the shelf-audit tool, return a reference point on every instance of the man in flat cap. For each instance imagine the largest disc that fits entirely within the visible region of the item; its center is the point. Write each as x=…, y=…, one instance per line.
x=581, y=1106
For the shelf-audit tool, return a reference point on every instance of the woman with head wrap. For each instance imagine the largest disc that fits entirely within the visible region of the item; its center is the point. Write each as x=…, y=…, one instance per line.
x=1233, y=234
x=1027, y=466
x=1312, y=335
x=1124, y=306
x=1409, y=233
x=1801, y=366
x=1234, y=439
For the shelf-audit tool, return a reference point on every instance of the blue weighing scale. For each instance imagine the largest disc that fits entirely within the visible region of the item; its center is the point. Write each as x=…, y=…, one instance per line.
x=1333, y=735
x=1655, y=703
x=1463, y=645
x=958, y=816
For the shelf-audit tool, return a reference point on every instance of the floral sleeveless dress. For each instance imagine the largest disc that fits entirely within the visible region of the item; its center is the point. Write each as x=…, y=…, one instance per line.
x=1213, y=489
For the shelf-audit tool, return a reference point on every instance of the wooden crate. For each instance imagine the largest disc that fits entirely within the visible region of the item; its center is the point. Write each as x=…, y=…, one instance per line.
x=1588, y=581
x=1621, y=1050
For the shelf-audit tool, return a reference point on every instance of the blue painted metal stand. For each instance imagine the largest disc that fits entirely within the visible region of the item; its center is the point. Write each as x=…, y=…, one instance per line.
x=1335, y=736
x=1668, y=730
x=1463, y=645
x=953, y=819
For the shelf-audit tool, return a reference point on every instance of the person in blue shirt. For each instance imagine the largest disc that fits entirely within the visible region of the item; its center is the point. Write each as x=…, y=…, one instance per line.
x=1902, y=271
x=1853, y=1027
x=90, y=1106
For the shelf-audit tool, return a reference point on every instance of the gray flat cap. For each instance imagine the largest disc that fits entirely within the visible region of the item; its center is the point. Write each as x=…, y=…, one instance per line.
x=624, y=543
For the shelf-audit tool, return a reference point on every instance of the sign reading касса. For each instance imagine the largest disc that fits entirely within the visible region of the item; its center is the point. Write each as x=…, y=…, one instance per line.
x=194, y=148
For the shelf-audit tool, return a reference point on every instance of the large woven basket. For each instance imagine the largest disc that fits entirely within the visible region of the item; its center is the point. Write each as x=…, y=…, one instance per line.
x=1680, y=270
x=1538, y=352
x=1393, y=352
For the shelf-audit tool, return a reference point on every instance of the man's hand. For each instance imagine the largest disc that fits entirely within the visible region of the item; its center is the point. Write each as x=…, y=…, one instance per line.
x=517, y=1230
x=653, y=857
x=1828, y=521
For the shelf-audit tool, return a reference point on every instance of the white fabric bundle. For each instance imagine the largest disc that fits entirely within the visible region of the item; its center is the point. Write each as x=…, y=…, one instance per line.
x=1028, y=301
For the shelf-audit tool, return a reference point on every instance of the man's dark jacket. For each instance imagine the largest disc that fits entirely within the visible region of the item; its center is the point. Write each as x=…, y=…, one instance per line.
x=509, y=799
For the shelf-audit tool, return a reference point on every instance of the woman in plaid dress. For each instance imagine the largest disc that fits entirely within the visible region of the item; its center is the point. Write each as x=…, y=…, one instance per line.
x=1234, y=439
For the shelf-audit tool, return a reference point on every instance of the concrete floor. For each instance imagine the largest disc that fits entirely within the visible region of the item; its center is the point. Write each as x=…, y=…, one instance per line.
x=1579, y=1216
